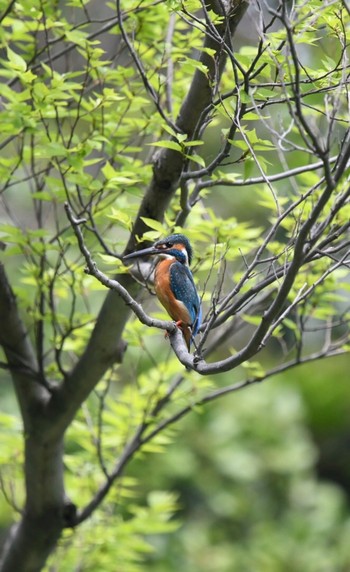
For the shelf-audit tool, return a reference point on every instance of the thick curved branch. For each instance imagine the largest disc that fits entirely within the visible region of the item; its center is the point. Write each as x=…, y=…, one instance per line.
x=241, y=385
x=113, y=284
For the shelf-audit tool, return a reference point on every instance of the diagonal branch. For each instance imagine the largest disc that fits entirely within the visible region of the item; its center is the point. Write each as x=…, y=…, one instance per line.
x=141, y=437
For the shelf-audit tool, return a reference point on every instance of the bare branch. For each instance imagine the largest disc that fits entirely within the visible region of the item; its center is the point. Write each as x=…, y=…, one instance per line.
x=142, y=437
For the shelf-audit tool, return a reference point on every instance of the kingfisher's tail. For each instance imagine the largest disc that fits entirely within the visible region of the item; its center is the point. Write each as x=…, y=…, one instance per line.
x=187, y=334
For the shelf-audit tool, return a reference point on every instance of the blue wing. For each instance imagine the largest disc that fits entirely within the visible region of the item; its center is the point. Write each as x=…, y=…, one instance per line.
x=184, y=289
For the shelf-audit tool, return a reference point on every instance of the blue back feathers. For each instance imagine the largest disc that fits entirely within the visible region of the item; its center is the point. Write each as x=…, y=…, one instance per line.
x=184, y=290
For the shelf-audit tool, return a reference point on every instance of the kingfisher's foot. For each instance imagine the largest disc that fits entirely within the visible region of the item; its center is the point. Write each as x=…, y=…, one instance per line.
x=179, y=324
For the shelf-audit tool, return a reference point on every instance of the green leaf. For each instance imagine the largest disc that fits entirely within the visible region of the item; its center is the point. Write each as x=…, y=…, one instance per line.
x=18, y=63
x=76, y=37
x=121, y=218
x=154, y=224
x=196, y=159
x=248, y=167
x=193, y=143
x=167, y=145
x=51, y=149
x=42, y=196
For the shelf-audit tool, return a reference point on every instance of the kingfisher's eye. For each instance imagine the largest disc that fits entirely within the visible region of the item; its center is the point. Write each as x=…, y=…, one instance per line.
x=164, y=245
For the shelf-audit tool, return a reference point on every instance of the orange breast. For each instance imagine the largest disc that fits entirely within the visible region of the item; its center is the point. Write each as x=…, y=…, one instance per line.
x=175, y=308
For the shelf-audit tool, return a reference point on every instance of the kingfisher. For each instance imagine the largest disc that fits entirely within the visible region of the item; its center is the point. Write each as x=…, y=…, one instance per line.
x=174, y=284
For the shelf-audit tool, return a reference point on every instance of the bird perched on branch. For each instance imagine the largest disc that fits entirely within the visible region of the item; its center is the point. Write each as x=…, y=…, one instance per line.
x=174, y=283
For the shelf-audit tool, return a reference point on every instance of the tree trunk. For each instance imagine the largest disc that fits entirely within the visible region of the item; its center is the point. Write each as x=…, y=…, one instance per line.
x=32, y=540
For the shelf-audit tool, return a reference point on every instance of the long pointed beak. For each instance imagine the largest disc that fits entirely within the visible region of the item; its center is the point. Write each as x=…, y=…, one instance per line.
x=144, y=252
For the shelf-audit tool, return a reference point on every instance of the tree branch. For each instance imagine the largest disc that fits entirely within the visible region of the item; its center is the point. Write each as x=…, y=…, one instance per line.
x=79, y=383
x=105, y=346
x=260, y=180
x=140, y=438
x=32, y=539
x=19, y=353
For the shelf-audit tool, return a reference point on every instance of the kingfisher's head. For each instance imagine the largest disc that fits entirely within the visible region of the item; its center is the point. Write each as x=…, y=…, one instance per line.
x=174, y=246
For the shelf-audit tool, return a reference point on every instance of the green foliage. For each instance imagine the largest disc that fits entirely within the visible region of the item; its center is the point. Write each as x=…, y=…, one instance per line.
x=249, y=494
x=90, y=108
x=11, y=459
x=117, y=542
